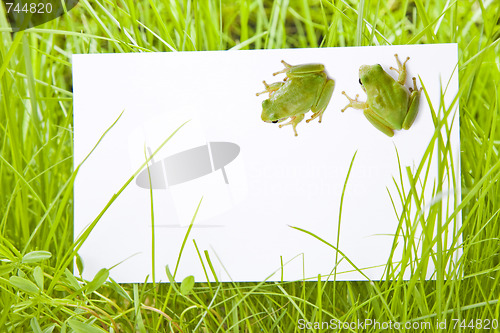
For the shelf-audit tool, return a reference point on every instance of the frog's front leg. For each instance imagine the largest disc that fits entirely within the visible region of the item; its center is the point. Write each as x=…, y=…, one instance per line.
x=413, y=105
x=323, y=100
x=294, y=121
x=401, y=70
x=270, y=88
x=354, y=103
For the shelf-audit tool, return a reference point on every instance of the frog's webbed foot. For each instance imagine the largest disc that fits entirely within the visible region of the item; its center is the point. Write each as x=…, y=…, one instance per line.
x=401, y=70
x=415, y=88
x=401, y=66
x=315, y=115
x=286, y=69
x=294, y=122
x=354, y=103
x=265, y=91
x=270, y=88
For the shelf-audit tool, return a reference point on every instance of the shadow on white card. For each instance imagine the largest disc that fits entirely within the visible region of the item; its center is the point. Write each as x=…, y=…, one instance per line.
x=196, y=170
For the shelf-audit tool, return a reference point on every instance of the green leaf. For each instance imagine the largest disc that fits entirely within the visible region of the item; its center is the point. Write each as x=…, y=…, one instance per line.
x=72, y=281
x=35, y=326
x=38, y=276
x=79, y=264
x=137, y=306
x=98, y=280
x=36, y=256
x=187, y=285
x=6, y=268
x=171, y=278
x=169, y=274
x=81, y=327
x=24, y=284
x=49, y=329
x=119, y=289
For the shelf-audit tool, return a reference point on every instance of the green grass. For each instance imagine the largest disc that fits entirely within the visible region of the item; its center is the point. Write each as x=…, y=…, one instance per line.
x=37, y=291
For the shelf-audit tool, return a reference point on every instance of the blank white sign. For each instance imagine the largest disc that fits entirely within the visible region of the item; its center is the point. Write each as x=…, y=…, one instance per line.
x=274, y=181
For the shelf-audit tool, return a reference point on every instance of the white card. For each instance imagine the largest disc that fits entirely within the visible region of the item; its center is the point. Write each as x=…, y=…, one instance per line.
x=256, y=180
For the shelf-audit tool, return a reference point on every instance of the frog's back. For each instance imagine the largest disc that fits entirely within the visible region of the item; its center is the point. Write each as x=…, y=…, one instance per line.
x=387, y=98
x=298, y=95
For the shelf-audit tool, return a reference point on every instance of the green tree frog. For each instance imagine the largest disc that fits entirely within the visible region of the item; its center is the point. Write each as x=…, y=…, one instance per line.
x=389, y=106
x=306, y=87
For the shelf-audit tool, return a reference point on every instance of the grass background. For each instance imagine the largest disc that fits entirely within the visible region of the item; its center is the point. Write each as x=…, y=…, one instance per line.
x=37, y=291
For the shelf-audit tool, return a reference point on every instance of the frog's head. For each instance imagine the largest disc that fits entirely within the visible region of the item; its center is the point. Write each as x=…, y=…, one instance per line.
x=368, y=74
x=269, y=112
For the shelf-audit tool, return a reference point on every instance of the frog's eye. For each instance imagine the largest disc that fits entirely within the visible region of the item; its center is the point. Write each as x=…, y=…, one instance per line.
x=274, y=122
x=361, y=83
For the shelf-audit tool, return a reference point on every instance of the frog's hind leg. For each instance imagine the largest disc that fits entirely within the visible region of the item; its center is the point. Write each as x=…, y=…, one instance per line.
x=270, y=88
x=413, y=105
x=294, y=122
x=284, y=70
x=300, y=70
x=378, y=123
x=323, y=100
x=401, y=69
x=315, y=115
